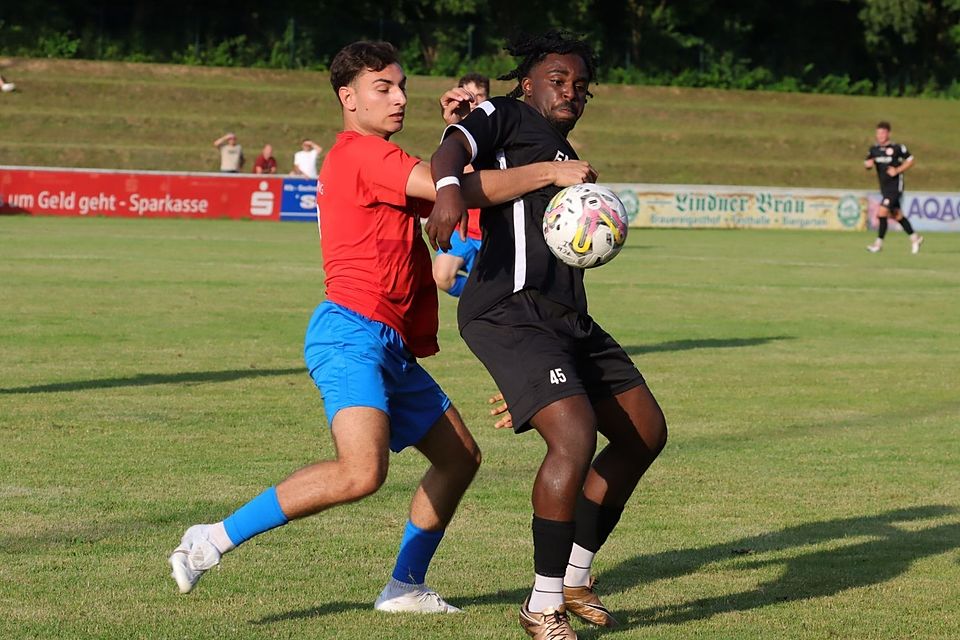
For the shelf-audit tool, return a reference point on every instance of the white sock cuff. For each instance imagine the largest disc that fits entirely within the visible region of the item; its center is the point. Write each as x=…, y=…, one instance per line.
x=580, y=557
x=218, y=536
x=403, y=586
x=547, y=593
x=578, y=567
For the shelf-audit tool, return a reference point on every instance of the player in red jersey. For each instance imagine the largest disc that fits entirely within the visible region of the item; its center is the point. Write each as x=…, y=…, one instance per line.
x=362, y=342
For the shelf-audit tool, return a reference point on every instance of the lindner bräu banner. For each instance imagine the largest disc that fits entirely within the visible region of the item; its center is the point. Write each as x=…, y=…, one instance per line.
x=926, y=211
x=652, y=205
x=146, y=194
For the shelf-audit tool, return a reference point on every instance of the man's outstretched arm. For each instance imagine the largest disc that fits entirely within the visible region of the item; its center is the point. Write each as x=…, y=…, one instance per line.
x=449, y=209
x=485, y=188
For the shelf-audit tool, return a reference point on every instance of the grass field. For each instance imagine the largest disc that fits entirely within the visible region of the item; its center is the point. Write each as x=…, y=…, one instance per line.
x=151, y=116
x=151, y=377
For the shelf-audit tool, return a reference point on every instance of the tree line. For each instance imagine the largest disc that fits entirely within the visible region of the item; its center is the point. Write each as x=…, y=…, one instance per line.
x=873, y=47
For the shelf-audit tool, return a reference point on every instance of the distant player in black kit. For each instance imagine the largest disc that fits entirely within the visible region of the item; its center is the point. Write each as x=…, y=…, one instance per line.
x=524, y=314
x=891, y=160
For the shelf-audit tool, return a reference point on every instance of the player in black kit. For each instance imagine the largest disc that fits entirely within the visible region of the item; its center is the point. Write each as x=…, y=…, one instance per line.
x=524, y=314
x=891, y=160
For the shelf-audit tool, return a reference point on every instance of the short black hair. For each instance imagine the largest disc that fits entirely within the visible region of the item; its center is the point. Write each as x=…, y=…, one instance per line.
x=476, y=78
x=535, y=48
x=883, y=124
x=358, y=57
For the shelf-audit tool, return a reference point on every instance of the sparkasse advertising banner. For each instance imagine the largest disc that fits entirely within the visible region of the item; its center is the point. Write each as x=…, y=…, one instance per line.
x=144, y=194
x=653, y=205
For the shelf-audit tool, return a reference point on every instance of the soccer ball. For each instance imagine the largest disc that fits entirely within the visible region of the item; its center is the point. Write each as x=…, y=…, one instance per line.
x=585, y=225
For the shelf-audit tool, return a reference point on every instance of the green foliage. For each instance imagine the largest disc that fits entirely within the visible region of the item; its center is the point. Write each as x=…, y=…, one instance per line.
x=953, y=91
x=885, y=18
x=161, y=117
x=54, y=44
x=889, y=47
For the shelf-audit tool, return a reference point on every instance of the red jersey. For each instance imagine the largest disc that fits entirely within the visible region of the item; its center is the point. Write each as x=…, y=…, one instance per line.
x=374, y=255
x=473, y=224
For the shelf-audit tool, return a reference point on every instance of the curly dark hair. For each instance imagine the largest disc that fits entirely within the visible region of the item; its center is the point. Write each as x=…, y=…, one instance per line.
x=534, y=49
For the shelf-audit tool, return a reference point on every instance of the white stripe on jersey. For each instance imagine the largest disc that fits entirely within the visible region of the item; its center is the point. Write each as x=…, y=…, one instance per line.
x=519, y=246
x=473, y=143
x=519, y=235
x=487, y=107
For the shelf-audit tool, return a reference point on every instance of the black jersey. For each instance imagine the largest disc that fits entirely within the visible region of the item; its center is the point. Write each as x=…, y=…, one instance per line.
x=889, y=155
x=505, y=133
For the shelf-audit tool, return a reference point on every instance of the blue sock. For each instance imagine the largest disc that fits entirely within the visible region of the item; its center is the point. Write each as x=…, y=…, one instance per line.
x=416, y=552
x=260, y=514
x=458, y=285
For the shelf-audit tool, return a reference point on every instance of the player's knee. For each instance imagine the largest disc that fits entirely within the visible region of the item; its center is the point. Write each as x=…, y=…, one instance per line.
x=647, y=441
x=443, y=276
x=659, y=435
x=360, y=483
x=575, y=450
x=474, y=459
x=465, y=462
x=468, y=465
x=653, y=434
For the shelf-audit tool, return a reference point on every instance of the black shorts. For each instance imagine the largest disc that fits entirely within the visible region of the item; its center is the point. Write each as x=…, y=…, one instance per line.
x=539, y=351
x=891, y=200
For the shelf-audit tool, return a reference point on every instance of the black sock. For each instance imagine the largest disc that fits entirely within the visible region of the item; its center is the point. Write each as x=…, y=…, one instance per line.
x=882, y=224
x=595, y=522
x=906, y=225
x=552, y=541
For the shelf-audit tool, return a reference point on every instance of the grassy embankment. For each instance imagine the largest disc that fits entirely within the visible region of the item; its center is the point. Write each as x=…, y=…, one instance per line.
x=136, y=116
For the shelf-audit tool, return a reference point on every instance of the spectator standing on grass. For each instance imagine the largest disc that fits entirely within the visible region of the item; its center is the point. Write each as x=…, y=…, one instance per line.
x=305, y=160
x=890, y=160
x=231, y=153
x=265, y=162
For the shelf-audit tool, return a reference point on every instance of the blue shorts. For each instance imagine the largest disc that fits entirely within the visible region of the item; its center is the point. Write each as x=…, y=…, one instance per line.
x=466, y=249
x=358, y=362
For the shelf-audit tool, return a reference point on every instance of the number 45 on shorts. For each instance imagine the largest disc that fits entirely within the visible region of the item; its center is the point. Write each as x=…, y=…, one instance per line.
x=557, y=376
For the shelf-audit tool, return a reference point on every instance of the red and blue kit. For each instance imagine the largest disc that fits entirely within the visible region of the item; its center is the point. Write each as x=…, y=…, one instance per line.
x=376, y=261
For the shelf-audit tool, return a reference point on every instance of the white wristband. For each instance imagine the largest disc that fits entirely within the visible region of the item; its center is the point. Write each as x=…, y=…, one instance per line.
x=446, y=182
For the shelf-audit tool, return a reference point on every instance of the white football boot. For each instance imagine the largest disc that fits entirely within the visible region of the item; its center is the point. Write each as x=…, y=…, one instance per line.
x=195, y=555
x=915, y=245
x=400, y=597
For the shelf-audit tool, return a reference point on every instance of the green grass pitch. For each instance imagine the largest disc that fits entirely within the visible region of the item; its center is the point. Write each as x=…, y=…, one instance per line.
x=151, y=378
